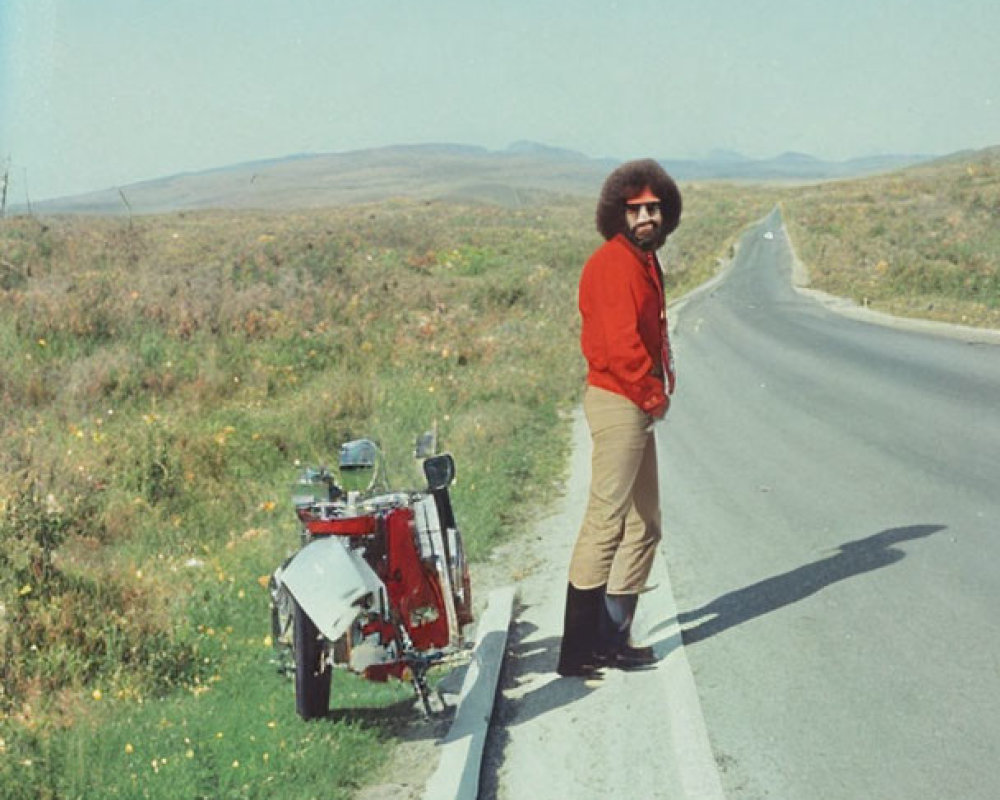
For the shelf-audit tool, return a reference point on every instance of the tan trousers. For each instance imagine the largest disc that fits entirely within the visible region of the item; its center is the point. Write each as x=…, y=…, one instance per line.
x=621, y=526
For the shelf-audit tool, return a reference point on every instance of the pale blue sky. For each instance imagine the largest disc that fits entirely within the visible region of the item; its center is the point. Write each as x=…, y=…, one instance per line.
x=101, y=93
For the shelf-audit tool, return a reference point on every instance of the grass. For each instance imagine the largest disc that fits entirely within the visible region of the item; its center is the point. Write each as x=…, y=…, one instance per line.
x=165, y=376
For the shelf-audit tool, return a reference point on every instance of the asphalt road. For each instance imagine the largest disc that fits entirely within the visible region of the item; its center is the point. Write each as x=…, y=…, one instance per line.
x=831, y=495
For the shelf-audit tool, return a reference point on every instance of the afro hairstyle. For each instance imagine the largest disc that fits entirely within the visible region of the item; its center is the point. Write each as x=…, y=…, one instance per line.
x=626, y=181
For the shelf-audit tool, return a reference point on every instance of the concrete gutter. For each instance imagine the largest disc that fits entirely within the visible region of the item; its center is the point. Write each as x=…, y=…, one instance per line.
x=457, y=774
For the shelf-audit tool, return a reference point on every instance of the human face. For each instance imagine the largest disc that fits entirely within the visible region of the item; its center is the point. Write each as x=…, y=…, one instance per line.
x=644, y=221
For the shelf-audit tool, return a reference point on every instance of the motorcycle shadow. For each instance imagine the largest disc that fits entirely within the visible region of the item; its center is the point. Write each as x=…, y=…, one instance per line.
x=404, y=719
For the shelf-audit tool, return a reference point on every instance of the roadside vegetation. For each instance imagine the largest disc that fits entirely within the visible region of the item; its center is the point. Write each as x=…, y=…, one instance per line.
x=165, y=377
x=921, y=242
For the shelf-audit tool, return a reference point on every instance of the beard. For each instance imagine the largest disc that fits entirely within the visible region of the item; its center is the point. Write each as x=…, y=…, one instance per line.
x=651, y=237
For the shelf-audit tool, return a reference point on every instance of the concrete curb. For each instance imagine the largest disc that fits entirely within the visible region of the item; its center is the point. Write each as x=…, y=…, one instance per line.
x=457, y=773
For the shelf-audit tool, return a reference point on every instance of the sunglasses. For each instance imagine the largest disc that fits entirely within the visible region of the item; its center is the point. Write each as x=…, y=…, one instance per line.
x=651, y=208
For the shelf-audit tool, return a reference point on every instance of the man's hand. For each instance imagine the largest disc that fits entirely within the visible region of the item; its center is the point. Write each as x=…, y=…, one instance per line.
x=660, y=409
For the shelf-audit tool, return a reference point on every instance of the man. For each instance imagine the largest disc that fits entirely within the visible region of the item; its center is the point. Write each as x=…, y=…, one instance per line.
x=630, y=378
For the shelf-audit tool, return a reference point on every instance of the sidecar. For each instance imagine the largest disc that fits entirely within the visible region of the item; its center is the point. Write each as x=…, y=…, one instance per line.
x=380, y=585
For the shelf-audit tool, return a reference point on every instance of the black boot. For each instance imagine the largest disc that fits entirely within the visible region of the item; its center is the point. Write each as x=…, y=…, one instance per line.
x=614, y=648
x=580, y=631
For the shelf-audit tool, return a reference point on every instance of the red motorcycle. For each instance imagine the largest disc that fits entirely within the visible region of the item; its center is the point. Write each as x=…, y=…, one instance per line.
x=380, y=585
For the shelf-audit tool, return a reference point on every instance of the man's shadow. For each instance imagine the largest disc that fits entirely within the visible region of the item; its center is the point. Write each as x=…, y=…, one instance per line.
x=850, y=559
x=527, y=657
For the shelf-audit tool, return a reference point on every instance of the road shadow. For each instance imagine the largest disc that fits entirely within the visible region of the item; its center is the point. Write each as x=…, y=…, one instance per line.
x=850, y=559
x=532, y=662
x=527, y=662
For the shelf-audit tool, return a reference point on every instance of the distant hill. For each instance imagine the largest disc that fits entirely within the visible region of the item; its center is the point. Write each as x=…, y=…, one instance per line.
x=790, y=166
x=518, y=175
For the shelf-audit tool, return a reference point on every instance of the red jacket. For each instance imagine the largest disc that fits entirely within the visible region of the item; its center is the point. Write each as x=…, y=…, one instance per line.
x=624, y=335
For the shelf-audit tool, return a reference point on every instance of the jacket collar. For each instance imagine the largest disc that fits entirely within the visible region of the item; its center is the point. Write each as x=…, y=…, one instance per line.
x=638, y=252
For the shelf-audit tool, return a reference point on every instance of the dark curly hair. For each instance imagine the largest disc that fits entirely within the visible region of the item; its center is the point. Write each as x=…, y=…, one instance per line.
x=626, y=181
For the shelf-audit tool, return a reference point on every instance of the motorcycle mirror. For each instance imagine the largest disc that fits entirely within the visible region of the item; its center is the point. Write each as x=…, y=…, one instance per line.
x=439, y=471
x=358, y=464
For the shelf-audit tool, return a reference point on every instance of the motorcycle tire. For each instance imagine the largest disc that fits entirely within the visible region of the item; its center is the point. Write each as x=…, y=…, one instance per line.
x=312, y=676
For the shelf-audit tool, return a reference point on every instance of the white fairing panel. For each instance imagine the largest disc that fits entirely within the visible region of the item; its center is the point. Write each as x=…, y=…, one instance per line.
x=327, y=580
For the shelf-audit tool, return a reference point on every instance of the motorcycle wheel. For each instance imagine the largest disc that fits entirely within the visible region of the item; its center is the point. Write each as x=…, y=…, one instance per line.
x=312, y=677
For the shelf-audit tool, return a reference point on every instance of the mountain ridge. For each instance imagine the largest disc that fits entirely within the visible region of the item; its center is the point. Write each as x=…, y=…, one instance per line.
x=431, y=171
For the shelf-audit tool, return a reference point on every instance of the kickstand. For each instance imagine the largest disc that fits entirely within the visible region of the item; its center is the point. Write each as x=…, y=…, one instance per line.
x=420, y=685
